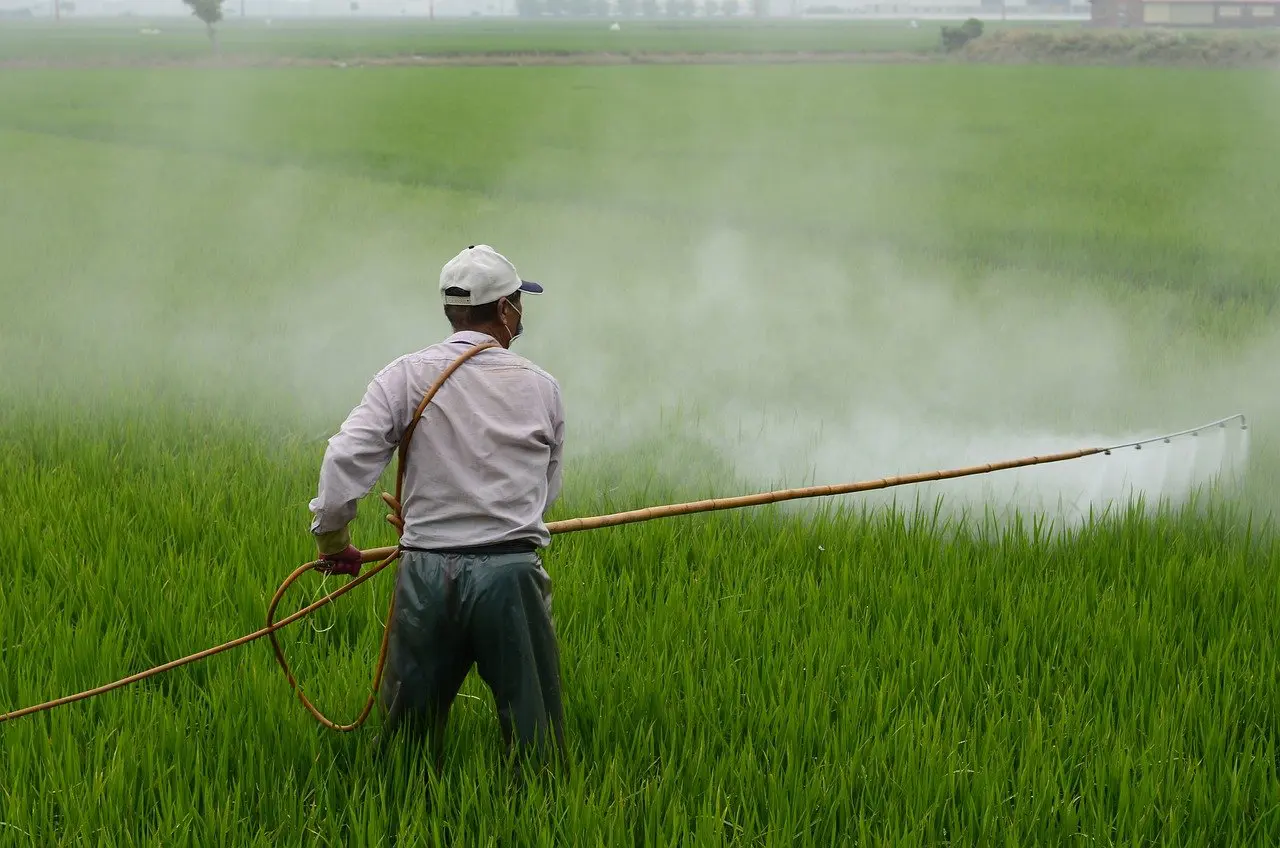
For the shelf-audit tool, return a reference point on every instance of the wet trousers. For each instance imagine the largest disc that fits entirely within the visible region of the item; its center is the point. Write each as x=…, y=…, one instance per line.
x=493, y=611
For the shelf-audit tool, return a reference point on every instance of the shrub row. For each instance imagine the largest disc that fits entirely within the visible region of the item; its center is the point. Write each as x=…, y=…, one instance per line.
x=1145, y=46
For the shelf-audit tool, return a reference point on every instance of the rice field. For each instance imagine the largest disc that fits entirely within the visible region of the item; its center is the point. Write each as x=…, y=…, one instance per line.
x=757, y=277
x=170, y=38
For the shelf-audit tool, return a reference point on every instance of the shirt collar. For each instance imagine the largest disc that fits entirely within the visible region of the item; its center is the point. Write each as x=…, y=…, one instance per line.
x=470, y=337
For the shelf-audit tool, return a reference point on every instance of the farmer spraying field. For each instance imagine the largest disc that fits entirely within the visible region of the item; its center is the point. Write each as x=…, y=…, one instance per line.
x=478, y=478
x=947, y=304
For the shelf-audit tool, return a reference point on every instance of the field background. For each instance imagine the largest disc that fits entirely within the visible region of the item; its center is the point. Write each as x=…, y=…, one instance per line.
x=107, y=39
x=758, y=276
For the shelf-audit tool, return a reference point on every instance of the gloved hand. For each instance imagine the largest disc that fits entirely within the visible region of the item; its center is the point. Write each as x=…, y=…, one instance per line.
x=347, y=561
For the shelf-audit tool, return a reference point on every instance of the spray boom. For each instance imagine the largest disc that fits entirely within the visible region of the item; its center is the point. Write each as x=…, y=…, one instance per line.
x=573, y=525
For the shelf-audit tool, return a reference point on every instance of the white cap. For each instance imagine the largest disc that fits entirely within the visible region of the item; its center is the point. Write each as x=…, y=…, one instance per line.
x=485, y=273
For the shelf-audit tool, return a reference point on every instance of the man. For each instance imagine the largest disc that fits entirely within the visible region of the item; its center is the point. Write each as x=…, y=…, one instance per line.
x=483, y=466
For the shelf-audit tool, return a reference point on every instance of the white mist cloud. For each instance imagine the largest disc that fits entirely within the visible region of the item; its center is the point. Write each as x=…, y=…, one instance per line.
x=790, y=359
x=837, y=377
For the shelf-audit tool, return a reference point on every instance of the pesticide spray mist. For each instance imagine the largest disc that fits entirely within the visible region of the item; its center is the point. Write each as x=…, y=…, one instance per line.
x=769, y=314
x=917, y=376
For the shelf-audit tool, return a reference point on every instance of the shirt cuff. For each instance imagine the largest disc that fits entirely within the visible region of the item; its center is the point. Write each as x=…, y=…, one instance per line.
x=335, y=541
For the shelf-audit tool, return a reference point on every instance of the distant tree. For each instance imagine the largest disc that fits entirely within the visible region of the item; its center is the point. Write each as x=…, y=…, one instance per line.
x=954, y=38
x=209, y=11
x=600, y=8
x=580, y=8
x=712, y=7
x=628, y=8
x=529, y=8
x=650, y=8
x=730, y=8
x=760, y=8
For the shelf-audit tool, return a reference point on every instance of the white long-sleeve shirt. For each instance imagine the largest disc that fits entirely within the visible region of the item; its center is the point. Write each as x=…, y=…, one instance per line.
x=484, y=462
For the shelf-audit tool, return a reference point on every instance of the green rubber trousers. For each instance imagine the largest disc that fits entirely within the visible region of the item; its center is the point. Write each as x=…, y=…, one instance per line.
x=453, y=611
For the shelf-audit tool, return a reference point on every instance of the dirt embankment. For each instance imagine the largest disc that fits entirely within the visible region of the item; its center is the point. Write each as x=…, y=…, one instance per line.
x=1084, y=46
x=483, y=60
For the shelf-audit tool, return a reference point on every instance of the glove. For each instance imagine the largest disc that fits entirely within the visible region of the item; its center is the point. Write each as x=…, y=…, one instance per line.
x=347, y=561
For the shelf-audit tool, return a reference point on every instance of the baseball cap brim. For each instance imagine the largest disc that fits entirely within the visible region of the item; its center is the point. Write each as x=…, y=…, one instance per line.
x=530, y=287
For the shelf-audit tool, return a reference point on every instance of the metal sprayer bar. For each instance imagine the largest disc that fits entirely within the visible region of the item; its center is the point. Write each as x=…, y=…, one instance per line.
x=1194, y=431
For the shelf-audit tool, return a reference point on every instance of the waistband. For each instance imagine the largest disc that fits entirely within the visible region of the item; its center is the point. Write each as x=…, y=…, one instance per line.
x=513, y=547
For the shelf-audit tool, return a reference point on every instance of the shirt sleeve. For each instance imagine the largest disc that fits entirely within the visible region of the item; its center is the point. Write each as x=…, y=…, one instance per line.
x=555, y=467
x=354, y=460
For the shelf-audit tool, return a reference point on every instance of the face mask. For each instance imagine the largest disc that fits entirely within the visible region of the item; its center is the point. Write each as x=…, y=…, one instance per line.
x=519, y=324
